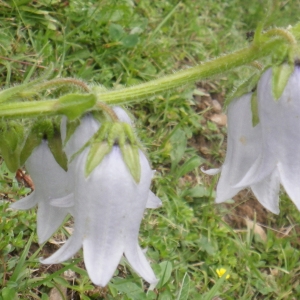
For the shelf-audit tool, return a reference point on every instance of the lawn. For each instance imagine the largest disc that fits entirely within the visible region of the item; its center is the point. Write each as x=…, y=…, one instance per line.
x=113, y=44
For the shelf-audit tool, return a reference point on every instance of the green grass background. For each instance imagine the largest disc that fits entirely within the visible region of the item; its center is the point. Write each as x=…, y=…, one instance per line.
x=122, y=43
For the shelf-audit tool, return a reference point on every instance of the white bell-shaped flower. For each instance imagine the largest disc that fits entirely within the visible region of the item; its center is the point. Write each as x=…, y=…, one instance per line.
x=51, y=182
x=280, y=123
x=243, y=147
x=87, y=128
x=108, y=210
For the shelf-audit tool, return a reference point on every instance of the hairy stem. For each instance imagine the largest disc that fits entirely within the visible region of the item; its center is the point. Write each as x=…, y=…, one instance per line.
x=210, y=68
x=144, y=90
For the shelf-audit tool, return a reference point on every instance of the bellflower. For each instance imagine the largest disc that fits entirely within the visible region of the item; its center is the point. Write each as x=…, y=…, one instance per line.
x=108, y=210
x=88, y=126
x=51, y=182
x=280, y=123
x=243, y=147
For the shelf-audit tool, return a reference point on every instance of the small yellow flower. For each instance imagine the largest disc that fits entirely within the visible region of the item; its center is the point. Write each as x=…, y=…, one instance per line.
x=221, y=272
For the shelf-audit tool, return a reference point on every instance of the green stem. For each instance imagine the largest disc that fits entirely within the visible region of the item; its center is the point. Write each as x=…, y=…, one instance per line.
x=28, y=109
x=210, y=68
x=55, y=83
x=108, y=110
x=279, y=32
x=144, y=90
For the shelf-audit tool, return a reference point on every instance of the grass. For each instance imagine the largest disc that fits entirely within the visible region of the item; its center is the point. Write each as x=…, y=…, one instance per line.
x=119, y=43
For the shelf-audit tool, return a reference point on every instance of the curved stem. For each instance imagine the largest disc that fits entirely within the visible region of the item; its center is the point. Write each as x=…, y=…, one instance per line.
x=279, y=32
x=210, y=68
x=144, y=90
x=108, y=110
x=257, y=65
x=62, y=81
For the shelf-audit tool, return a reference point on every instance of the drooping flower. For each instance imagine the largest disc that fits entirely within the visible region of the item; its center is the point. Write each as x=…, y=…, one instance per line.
x=243, y=147
x=87, y=128
x=51, y=182
x=280, y=123
x=108, y=210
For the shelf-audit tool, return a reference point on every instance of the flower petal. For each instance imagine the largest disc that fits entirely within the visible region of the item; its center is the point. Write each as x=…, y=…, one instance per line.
x=106, y=193
x=153, y=201
x=49, y=219
x=290, y=178
x=139, y=263
x=243, y=147
x=26, y=203
x=87, y=128
x=280, y=123
x=67, y=201
x=133, y=253
x=211, y=171
x=68, y=250
x=51, y=181
x=267, y=192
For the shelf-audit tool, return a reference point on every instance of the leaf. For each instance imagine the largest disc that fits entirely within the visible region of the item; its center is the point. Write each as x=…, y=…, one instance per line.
x=131, y=289
x=189, y=166
x=74, y=105
x=130, y=40
x=165, y=274
x=15, y=277
x=198, y=192
x=9, y=293
x=116, y=32
x=185, y=287
x=179, y=142
x=214, y=291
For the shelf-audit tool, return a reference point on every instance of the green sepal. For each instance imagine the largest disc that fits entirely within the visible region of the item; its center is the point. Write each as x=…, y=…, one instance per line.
x=71, y=127
x=280, y=54
x=33, y=140
x=74, y=105
x=280, y=77
x=254, y=109
x=110, y=134
x=130, y=134
x=245, y=87
x=12, y=140
x=116, y=134
x=95, y=156
x=56, y=147
x=131, y=158
x=42, y=128
x=99, y=136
